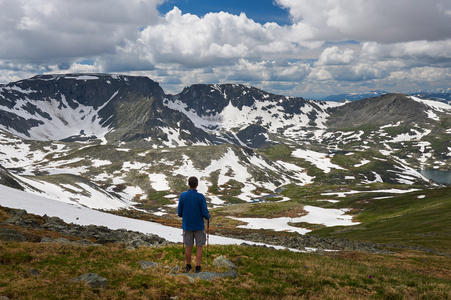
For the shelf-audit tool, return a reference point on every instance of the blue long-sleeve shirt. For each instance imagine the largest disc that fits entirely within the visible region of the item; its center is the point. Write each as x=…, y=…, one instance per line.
x=193, y=209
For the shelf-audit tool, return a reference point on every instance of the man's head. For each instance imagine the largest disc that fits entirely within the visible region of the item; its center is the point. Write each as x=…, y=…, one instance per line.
x=193, y=182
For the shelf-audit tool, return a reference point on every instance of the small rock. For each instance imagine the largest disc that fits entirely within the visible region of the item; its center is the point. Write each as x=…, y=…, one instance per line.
x=93, y=280
x=34, y=272
x=320, y=251
x=221, y=261
x=148, y=264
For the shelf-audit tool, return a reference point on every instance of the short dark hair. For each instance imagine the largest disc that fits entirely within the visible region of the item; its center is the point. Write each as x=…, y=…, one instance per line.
x=193, y=182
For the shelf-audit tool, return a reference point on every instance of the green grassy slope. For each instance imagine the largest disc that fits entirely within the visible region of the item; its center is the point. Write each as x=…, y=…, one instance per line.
x=263, y=273
x=418, y=218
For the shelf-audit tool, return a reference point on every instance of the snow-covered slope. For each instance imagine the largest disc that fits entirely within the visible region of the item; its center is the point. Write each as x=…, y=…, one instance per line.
x=56, y=120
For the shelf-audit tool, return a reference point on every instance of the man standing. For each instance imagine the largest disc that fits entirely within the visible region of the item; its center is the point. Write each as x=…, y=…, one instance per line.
x=193, y=209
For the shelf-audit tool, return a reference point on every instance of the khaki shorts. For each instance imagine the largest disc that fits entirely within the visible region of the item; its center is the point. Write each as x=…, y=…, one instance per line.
x=190, y=236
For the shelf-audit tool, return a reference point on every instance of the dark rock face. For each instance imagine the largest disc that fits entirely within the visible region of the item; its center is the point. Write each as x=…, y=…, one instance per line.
x=253, y=136
x=138, y=118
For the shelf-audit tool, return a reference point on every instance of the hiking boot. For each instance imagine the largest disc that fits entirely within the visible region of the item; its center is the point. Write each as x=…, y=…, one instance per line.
x=197, y=269
x=188, y=268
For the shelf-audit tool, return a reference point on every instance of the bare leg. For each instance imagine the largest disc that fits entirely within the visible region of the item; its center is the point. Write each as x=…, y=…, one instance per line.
x=198, y=256
x=188, y=254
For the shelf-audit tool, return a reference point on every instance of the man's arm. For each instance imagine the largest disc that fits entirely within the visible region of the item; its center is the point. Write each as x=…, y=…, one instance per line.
x=204, y=209
x=180, y=207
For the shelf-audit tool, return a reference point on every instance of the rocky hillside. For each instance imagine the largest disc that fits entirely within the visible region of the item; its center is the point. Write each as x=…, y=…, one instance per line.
x=20, y=226
x=379, y=111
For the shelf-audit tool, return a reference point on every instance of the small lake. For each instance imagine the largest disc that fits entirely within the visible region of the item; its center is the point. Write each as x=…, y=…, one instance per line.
x=443, y=177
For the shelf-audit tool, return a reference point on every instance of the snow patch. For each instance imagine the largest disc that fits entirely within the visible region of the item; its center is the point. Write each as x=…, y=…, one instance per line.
x=315, y=215
x=320, y=160
x=159, y=182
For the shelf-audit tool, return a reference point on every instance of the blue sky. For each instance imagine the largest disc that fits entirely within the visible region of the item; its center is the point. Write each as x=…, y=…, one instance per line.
x=307, y=48
x=261, y=11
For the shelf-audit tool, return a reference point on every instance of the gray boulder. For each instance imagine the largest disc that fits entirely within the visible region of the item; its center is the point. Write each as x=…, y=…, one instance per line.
x=148, y=264
x=221, y=261
x=93, y=280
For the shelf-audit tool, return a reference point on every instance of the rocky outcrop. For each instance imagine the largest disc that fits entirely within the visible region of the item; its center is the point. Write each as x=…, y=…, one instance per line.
x=71, y=233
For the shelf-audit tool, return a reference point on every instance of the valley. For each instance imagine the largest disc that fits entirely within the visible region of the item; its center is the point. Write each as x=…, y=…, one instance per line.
x=118, y=143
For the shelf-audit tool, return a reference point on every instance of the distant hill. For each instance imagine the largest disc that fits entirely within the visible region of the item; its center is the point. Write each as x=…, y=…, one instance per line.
x=353, y=96
x=443, y=95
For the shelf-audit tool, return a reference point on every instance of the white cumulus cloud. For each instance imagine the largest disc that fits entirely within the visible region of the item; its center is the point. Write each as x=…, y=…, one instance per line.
x=330, y=46
x=384, y=21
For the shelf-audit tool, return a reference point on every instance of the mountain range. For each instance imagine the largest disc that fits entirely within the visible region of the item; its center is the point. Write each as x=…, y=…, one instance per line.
x=112, y=141
x=443, y=95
